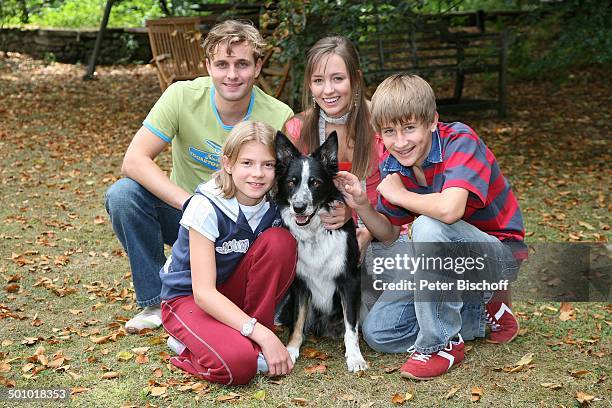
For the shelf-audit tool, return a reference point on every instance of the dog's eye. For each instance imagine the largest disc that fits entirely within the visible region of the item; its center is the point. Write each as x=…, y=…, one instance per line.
x=315, y=183
x=291, y=183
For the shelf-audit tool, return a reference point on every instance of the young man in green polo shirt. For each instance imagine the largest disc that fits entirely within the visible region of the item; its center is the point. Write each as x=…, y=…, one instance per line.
x=195, y=118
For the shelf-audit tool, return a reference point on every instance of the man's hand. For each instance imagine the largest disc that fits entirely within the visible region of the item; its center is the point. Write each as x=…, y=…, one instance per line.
x=338, y=215
x=392, y=188
x=350, y=187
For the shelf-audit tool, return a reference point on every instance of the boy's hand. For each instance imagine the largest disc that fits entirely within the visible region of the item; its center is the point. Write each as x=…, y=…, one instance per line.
x=391, y=187
x=350, y=187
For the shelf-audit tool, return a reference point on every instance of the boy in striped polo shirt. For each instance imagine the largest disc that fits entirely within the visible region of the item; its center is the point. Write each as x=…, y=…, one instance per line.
x=443, y=179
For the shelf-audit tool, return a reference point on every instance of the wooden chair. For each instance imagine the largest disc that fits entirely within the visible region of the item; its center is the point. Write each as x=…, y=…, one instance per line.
x=175, y=45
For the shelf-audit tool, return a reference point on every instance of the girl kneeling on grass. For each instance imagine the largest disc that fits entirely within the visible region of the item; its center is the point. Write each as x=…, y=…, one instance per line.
x=229, y=267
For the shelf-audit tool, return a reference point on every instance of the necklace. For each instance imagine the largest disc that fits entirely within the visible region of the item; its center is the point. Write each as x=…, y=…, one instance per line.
x=323, y=119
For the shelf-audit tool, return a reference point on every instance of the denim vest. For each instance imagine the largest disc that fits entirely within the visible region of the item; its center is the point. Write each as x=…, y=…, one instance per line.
x=235, y=238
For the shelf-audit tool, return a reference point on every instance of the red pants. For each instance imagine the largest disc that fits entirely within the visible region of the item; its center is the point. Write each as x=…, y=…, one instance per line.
x=217, y=352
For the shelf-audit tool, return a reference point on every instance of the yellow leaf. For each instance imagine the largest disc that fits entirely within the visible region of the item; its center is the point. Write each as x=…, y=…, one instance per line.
x=124, y=356
x=260, y=395
x=27, y=367
x=586, y=225
x=78, y=390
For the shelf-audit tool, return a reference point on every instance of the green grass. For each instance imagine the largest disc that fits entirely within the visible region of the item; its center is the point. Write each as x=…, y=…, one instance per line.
x=62, y=142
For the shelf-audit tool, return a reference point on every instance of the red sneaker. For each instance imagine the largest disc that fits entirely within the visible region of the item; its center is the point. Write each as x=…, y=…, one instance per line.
x=504, y=326
x=426, y=366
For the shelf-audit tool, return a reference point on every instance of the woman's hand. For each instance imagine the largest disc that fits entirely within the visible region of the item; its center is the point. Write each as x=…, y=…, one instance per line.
x=338, y=215
x=364, y=237
x=274, y=351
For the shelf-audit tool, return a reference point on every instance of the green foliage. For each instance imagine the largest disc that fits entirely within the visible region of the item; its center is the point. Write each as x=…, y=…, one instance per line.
x=80, y=13
x=570, y=34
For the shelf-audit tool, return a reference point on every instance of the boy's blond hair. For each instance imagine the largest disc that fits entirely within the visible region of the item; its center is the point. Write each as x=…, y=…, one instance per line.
x=402, y=98
x=233, y=32
x=242, y=133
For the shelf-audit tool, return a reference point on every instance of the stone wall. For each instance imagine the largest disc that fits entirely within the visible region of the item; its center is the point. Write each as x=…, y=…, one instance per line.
x=71, y=46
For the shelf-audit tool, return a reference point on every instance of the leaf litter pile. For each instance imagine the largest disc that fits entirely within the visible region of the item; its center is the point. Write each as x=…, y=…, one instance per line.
x=66, y=290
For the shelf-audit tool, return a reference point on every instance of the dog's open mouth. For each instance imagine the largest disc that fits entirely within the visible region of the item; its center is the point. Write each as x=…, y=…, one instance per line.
x=302, y=220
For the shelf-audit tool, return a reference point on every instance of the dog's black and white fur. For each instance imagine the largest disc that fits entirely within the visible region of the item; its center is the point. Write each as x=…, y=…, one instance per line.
x=328, y=276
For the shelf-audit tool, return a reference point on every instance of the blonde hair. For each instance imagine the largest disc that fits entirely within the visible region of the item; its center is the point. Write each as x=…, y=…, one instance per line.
x=360, y=134
x=233, y=32
x=403, y=98
x=242, y=133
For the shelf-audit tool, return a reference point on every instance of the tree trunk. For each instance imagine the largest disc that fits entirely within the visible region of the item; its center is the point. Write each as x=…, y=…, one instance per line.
x=89, y=75
x=164, y=6
x=25, y=17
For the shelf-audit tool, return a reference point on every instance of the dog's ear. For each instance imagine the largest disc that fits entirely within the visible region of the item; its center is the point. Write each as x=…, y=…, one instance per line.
x=285, y=150
x=327, y=153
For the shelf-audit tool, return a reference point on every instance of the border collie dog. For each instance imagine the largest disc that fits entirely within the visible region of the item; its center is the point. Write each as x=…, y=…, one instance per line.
x=328, y=276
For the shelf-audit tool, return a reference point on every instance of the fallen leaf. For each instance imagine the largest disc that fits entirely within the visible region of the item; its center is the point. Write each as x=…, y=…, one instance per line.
x=78, y=390
x=158, y=391
x=398, y=399
x=476, y=394
x=109, y=375
x=584, y=398
x=552, y=386
x=300, y=401
x=579, y=373
x=260, y=395
x=319, y=368
x=124, y=356
x=567, y=312
x=525, y=360
x=451, y=393
x=229, y=397
x=12, y=288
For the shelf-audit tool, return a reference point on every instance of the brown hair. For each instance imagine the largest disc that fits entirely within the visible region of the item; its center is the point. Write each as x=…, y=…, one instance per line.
x=403, y=98
x=242, y=133
x=232, y=32
x=359, y=131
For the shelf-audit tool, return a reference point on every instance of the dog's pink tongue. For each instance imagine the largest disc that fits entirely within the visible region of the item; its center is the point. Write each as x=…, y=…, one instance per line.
x=301, y=218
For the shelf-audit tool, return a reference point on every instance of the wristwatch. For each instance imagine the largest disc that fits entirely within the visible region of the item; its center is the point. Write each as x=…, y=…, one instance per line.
x=248, y=327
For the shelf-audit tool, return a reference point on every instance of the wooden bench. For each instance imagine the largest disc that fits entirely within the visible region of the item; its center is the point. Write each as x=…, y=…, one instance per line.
x=430, y=49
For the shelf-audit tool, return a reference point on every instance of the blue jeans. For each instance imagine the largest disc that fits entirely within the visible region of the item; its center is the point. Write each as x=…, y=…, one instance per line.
x=143, y=223
x=396, y=321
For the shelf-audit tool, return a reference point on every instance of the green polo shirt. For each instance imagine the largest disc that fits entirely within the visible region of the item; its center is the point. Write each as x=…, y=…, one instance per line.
x=186, y=116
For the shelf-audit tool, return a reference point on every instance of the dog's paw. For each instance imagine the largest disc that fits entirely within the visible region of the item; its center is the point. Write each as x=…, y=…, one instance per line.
x=294, y=353
x=356, y=363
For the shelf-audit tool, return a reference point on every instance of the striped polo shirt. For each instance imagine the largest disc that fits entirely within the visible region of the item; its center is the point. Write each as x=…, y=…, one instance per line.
x=459, y=158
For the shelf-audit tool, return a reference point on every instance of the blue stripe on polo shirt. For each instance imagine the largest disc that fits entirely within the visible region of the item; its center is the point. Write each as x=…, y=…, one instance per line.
x=157, y=132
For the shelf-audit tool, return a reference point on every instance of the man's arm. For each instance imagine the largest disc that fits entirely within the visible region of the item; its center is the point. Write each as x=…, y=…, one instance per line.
x=139, y=165
x=447, y=206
